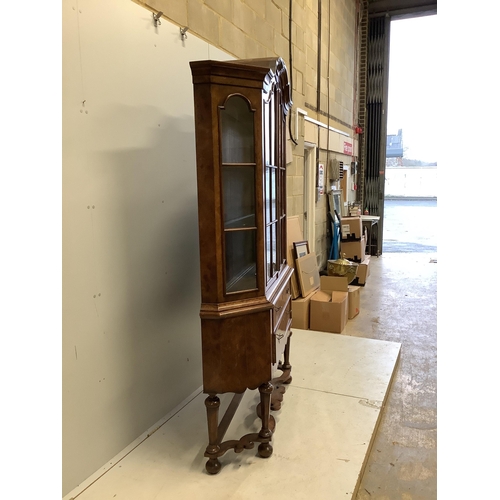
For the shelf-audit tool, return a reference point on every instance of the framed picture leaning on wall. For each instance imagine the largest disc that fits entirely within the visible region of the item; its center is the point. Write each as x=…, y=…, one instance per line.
x=301, y=248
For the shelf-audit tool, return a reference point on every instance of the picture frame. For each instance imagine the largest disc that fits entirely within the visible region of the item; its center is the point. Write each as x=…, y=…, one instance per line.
x=301, y=248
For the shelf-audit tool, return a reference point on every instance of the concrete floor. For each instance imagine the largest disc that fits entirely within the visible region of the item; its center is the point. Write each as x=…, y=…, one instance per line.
x=399, y=304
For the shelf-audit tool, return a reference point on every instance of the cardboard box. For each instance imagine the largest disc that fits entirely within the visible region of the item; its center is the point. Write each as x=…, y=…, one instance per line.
x=340, y=284
x=351, y=228
x=300, y=311
x=333, y=283
x=363, y=272
x=293, y=233
x=328, y=311
x=353, y=250
x=329, y=308
x=308, y=273
x=353, y=301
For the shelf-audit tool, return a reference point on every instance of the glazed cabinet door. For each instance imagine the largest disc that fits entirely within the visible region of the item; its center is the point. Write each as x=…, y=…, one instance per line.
x=274, y=183
x=238, y=173
x=271, y=188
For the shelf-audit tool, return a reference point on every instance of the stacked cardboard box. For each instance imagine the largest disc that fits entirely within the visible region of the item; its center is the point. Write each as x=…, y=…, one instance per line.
x=327, y=302
x=362, y=272
x=329, y=308
x=351, y=228
x=353, y=241
x=301, y=310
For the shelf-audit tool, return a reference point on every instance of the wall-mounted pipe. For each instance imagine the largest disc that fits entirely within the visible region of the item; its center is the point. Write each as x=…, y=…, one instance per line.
x=318, y=98
x=320, y=124
x=291, y=69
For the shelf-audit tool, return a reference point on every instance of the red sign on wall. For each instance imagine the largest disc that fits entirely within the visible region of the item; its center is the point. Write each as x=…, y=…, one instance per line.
x=347, y=148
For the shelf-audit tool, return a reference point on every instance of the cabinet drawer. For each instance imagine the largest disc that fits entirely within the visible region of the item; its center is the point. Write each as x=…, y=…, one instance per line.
x=280, y=305
x=280, y=335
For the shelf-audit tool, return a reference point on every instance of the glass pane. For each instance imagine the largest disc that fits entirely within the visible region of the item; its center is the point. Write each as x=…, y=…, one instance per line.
x=238, y=194
x=273, y=194
x=282, y=239
x=267, y=155
x=267, y=191
x=274, y=256
x=241, y=270
x=269, y=244
x=237, y=131
x=272, y=131
x=282, y=201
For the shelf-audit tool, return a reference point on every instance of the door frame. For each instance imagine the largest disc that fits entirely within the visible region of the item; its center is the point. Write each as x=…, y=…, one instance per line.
x=309, y=215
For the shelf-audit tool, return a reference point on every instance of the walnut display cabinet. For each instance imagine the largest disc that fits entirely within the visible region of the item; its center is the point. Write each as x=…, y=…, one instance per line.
x=240, y=121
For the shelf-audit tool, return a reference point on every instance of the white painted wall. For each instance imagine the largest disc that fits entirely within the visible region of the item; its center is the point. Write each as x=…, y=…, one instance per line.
x=131, y=297
x=411, y=181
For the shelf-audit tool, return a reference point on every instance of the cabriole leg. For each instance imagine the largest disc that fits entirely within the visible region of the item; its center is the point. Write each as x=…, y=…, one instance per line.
x=287, y=367
x=212, y=404
x=265, y=449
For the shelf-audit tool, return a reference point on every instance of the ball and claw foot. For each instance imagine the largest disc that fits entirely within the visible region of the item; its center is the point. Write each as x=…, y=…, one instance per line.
x=213, y=466
x=265, y=450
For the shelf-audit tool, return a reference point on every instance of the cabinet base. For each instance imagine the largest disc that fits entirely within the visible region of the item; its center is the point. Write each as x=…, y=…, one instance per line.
x=271, y=397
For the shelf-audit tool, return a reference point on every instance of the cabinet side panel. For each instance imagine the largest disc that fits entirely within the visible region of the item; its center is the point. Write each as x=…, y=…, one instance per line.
x=237, y=352
x=208, y=185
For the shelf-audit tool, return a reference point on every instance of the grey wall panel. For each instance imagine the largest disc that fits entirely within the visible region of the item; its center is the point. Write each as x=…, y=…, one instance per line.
x=131, y=297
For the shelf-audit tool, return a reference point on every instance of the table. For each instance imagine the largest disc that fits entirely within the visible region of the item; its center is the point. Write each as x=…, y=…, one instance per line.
x=369, y=221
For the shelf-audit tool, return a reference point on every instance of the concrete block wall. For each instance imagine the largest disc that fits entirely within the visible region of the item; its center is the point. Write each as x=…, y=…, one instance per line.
x=324, y=86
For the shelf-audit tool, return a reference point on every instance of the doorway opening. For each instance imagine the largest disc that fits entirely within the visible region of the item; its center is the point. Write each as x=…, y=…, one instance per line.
x=410, y=188
x=309, y=194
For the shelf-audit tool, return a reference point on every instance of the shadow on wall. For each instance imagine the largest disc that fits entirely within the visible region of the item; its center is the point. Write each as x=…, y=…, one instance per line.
x=147, y=235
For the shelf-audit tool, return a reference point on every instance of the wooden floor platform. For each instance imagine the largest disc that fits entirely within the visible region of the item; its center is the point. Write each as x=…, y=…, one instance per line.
x=323, y=434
